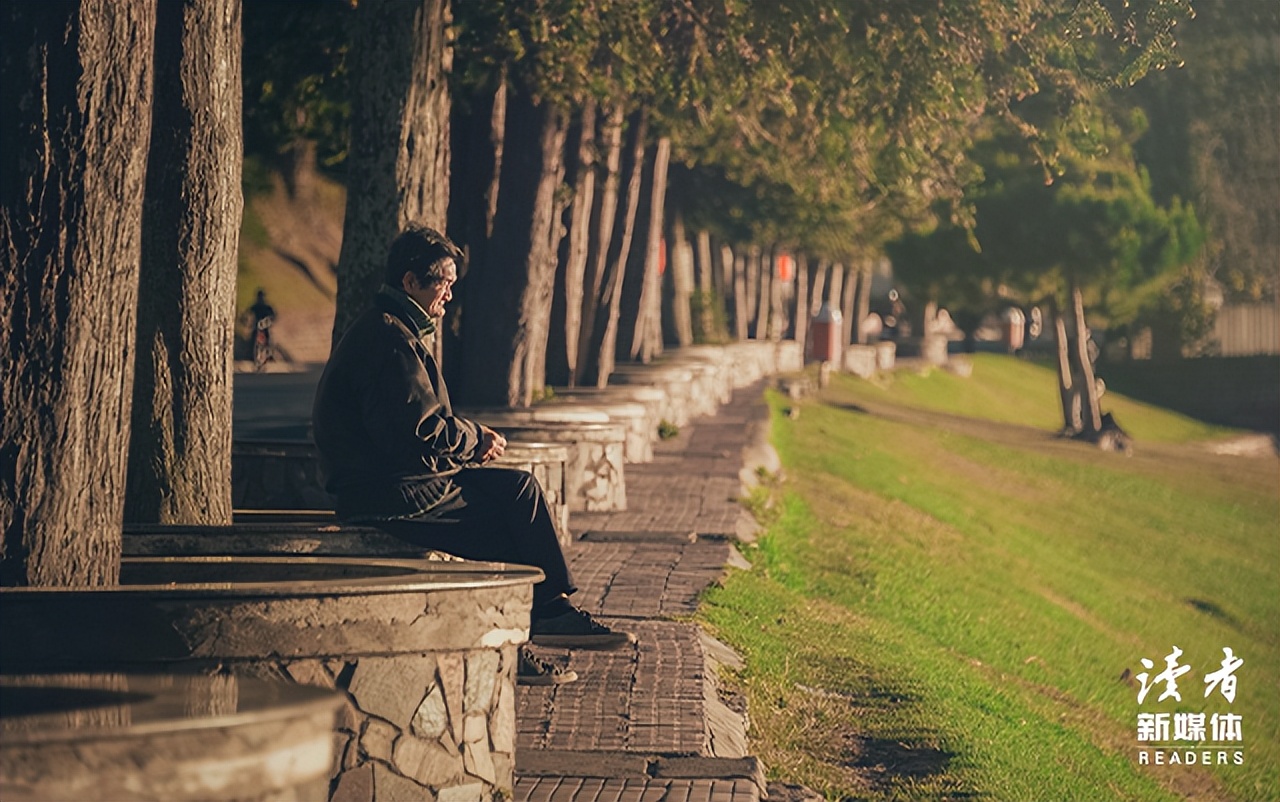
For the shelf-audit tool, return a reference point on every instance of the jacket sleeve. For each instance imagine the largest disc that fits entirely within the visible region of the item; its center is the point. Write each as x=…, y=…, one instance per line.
x=403, y=413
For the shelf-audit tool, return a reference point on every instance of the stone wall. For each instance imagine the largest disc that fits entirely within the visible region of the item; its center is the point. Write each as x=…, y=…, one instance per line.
x=424, y=653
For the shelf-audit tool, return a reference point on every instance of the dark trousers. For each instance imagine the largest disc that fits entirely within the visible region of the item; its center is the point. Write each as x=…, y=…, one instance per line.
x=500, y=516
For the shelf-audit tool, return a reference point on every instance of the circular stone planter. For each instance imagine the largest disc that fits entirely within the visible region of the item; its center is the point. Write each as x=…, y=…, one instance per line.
x=675, y=380
x=594, y=477
x=654, y=400
x=424, y=652
x=164, y=738
x=721, y=363
x=634, y=416
x=636, y=448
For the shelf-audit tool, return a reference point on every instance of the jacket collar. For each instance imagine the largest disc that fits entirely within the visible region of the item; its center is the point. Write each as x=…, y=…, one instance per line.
x=408, y=310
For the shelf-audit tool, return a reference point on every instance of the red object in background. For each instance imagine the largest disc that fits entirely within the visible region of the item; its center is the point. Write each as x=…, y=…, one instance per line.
x=786, y=266
x=662, y=256
x=824, y=335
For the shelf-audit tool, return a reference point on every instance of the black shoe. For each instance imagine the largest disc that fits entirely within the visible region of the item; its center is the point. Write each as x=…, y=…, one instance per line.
x=577, y=630
x=533, y=670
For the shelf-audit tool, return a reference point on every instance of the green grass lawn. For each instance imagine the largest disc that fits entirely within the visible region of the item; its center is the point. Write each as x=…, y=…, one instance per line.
x=951, y=602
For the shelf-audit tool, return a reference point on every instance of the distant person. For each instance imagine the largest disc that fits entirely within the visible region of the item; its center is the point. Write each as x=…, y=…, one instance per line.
x=261, y=310
x=396, y=456
x=263, y=317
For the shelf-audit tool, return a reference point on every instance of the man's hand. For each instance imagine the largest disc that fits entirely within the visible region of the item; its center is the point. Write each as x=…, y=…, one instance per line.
x=492, y=445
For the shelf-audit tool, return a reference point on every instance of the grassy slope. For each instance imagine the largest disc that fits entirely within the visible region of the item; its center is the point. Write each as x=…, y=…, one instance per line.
x=945, y=605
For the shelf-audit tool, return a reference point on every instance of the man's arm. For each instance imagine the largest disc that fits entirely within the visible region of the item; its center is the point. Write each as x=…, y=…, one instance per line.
x=405, y=417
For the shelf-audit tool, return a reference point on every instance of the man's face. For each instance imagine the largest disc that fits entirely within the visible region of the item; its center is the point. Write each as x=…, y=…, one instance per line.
x=433, y=293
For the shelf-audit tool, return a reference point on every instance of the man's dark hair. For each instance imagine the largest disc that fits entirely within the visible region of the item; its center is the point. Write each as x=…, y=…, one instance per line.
x=420, y=250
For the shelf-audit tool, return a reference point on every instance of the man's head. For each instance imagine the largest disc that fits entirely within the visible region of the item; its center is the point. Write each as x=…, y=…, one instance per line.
x=424, y=264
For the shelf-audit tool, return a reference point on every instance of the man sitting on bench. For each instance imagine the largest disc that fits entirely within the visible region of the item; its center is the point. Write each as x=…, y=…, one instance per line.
x=395, y=456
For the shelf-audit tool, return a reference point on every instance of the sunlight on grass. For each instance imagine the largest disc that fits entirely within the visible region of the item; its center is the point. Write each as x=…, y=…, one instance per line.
x=944, y=607
x=1008, y=390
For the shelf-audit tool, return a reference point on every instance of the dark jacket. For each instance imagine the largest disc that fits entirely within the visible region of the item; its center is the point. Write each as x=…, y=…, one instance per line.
x=387, y=436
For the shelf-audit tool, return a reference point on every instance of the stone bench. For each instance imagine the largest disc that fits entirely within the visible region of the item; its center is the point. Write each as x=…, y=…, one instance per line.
x=285, y=475
x=637, y=447
x=653, y=399
x=181, y=738
x=424, y=653
x=595, y=479
x=675, y=381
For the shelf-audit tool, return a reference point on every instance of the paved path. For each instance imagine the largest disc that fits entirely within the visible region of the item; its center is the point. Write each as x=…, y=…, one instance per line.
x=648, y=724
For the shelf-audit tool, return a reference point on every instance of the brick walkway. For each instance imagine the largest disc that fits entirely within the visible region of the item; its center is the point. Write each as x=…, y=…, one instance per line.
x=647, y=724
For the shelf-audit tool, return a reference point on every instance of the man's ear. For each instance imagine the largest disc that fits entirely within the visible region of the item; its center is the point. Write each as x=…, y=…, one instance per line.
x=408, y=281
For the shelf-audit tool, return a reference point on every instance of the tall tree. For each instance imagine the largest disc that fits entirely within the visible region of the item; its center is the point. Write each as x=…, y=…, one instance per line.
x=504, y=353
x=398, y=167
x=76, y=79
x=180, y=448
x=1213, y=139
x=1095, y=235
x=639, y=324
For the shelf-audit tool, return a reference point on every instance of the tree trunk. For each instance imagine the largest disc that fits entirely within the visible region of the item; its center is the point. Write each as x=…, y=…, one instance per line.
x=1068, y=389
x=678, y=286
x=567, y=303
x=508, y=293
x=604, y=335
x=639, y=321
x=863, y=307
x=398, y=166
x=777, y=299
x=705, y=271
x=835, y=284
x=798, y=329
x=604, y=215
x=704, y=267
x=764, y=293
x=477, y=129
x=751, y=306
x=741, y=277
x=180, y=448
x=1091, y=413
x=817, y=286
x=722, y=278
x=849, y=288
x=76, y=83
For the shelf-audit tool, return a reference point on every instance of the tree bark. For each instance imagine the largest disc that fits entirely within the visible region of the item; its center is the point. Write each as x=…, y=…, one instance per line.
x=678, y=284
x=180, y=448
x=1068, y=389
x=567, y=303
x=600, y=359
x=477, y=132
x=741, y=272
x=640, y=318
x=777, y=298
x=817, y=285
x=849, y=287
x=504, y=354
x=798, y=329
x=1091, y=413
x=751, y=305
x=398, y=166
x=863, y=307
x=764, y=293
x=76, y=86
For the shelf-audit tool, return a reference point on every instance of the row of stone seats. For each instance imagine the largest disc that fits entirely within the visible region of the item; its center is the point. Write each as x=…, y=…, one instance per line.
x=418, y=658
x=422, y=650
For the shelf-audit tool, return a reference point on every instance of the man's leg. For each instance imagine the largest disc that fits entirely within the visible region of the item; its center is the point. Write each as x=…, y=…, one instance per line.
x=501, y=516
